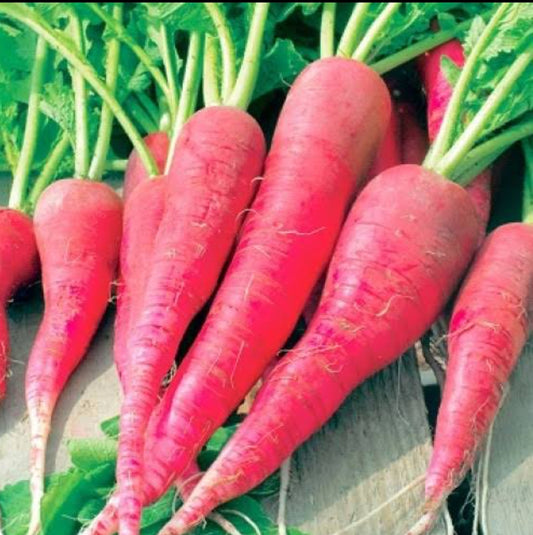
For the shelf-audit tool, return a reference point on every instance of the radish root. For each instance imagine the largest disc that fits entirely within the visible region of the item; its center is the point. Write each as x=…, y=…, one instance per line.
x=285, y=479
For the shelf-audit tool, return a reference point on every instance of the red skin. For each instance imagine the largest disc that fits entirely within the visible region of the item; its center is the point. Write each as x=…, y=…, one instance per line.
x=19, y=265
x=143, y=212
x=158, y=144
x=414, y=140
x=294, y=222
x=142, y=216
x=210, y=183
x=405, y=142
x=490, y=324
x=395, y=266
x=77, y=228
x=439, y=91
x=389, y=153
x=304, y=189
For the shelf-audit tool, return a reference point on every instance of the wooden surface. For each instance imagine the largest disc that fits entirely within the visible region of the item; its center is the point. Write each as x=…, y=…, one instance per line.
x=508, y=509
x=377, y=445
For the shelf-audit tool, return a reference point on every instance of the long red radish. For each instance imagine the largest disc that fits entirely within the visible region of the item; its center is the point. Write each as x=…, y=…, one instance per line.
x=158, y=145
x=387, y=282
x=294, y=221
x=143, y=212
x=490, y=324
x=142, y=216
x=19, y=265
x=210, y=183
x=77, y=228
x=439, y=91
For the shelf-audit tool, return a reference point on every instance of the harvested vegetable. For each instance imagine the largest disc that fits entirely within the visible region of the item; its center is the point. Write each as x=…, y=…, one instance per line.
x=395, y=266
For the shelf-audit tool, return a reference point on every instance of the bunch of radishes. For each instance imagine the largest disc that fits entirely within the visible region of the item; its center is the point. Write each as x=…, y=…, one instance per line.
x=208, y=212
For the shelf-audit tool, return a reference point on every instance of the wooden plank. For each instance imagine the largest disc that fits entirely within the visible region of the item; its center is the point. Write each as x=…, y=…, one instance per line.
x=510, y=476
x=377, y=444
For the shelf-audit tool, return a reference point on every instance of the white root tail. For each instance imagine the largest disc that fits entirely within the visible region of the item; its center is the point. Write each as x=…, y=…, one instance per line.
x=40, y=429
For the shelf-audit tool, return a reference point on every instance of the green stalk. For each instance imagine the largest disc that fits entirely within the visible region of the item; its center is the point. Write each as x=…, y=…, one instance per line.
x=210, y=87
x=31, y=128
x=376, y=28
x=407, y=54
x=488, y=151
x=149, y=105
x=443, y=140
x=81, y=142
x=327, y=30
x=245, y=85
x=103, y=139
x=10, y=151
x=140, y=115
x=124, y=37
x=63, y=45
x=189, y=95
x=227, y=47
x=354, y=30
x=116, y=165
x=447, y=165
x=527, y=208
x=168, y=53
x=47, y=174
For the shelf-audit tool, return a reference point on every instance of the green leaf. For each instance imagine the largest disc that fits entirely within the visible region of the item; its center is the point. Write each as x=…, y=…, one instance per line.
x=67, y=494
x=90, y=453
x=279, y=67
x=110, y=427
x=162, y=510
x=186, y=16
x=15, y=503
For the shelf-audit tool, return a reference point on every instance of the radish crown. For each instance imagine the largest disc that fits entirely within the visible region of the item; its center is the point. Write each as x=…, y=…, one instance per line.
x=491, y=99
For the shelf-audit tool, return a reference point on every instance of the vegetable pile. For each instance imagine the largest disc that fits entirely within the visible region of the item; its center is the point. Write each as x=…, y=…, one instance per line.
x=308, y=190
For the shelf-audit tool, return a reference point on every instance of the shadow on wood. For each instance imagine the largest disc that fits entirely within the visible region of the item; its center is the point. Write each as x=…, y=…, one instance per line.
x=373, y=450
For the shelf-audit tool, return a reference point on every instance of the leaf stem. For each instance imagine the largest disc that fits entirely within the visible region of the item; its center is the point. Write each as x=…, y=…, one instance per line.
x=227, y=47
x=31, y=129
x=168, y=53
x=64, y=46
x=210, y=86
x=407, y=54
x=125, y=37
x=189, y=95
x=81, y=142
x=354, y=30
x=451, y=117
x=149, y=105
x=247, y=78
x=47, y=174
x=527, y=207
x=327, y=30
x=140, y=115
x=103, y=139
x=447, y=164
x=484, y=154
x=376, y=28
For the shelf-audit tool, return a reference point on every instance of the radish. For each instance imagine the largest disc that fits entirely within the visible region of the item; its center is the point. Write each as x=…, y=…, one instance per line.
x=407, y=240
x=210, y=183
x=78, y=230
x=294, y=220
x=142, y=215
x=19, y=265
x=489, y=327
x=158, y=145
x=439, y=91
